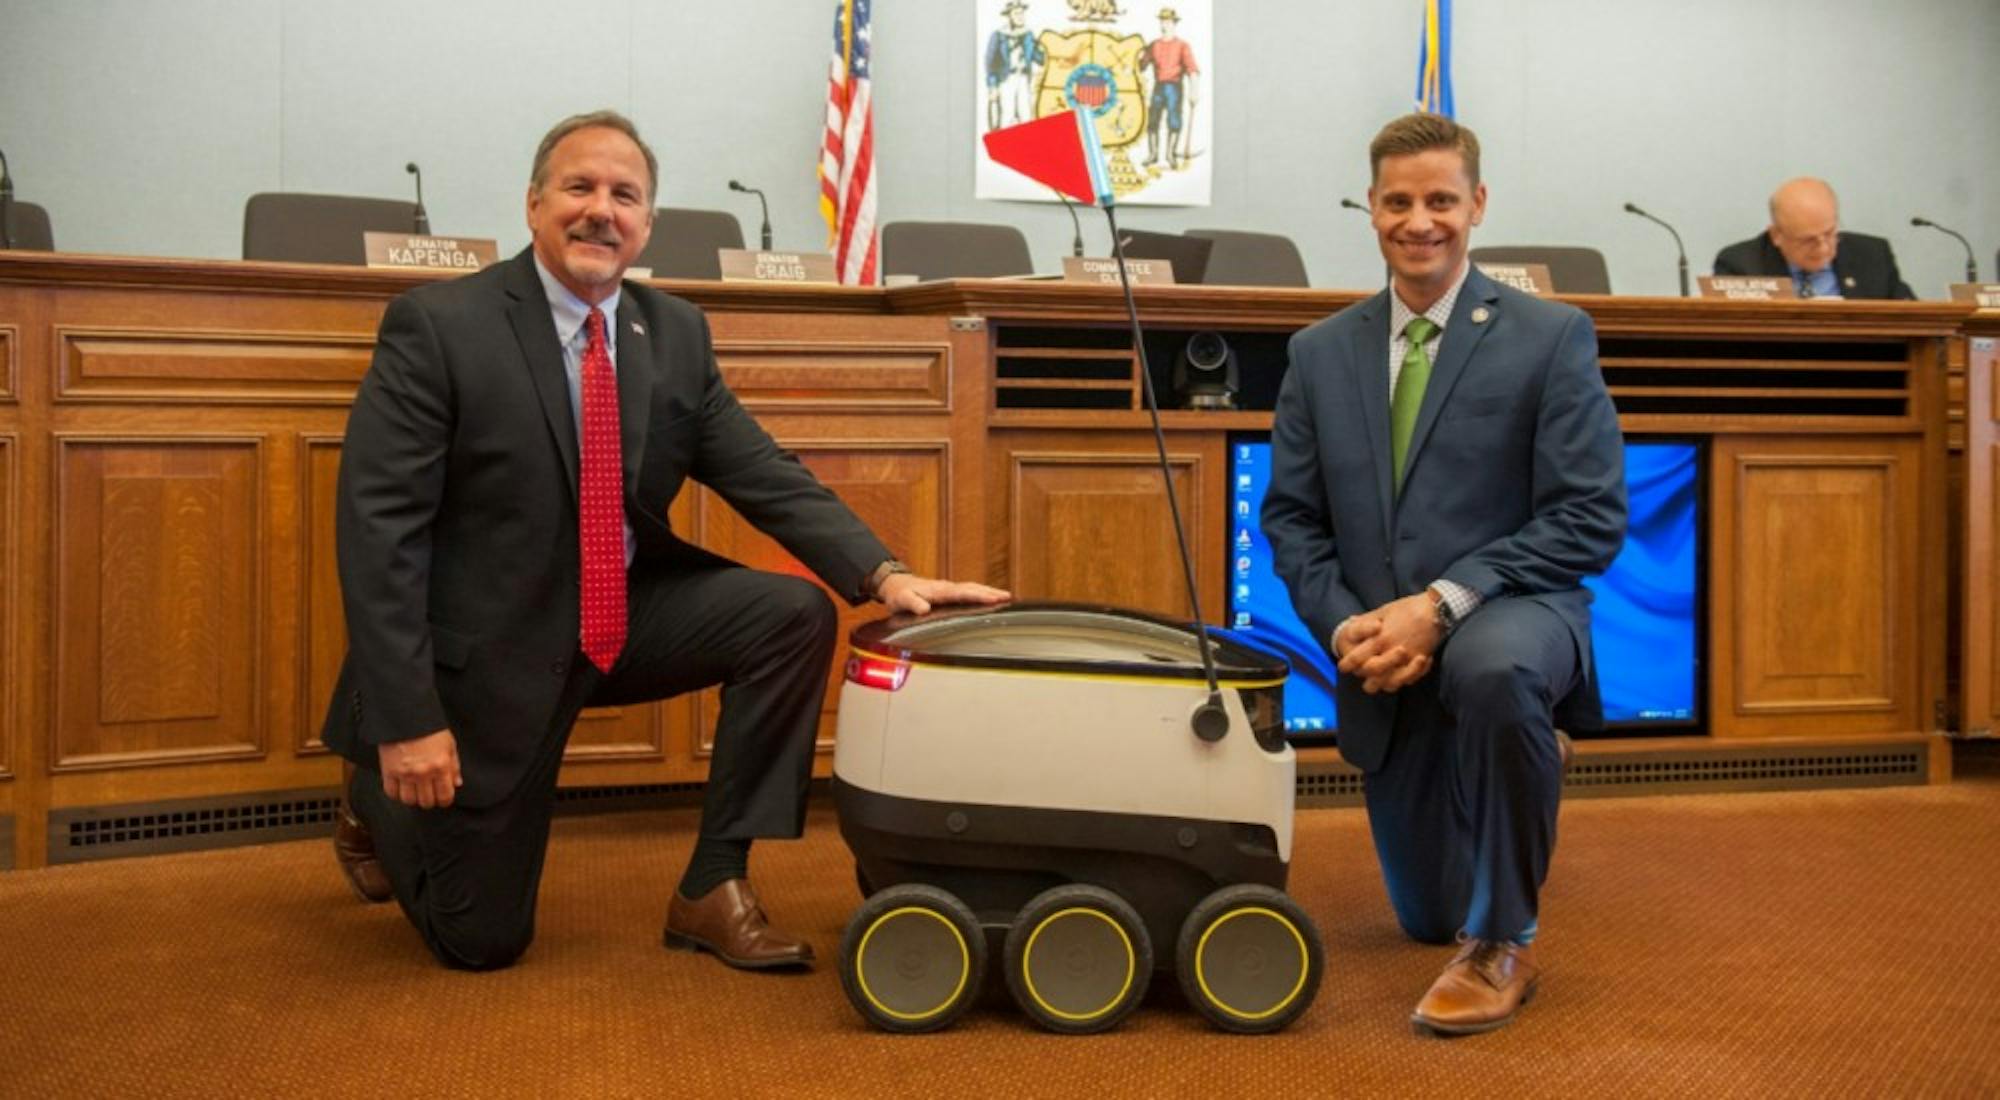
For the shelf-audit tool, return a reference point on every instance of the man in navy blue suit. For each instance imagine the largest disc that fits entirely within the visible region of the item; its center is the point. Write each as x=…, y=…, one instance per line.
x=1446, y=469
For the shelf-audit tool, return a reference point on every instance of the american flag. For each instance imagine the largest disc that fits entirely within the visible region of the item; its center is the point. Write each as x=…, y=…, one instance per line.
x=847, y=158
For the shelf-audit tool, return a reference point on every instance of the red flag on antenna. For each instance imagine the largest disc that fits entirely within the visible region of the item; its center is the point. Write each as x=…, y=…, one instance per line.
x=1058, y=150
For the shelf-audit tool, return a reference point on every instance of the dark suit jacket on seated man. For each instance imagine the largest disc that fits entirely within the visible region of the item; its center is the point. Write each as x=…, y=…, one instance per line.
x=506, y=560
x=1804, y=242
x=1434, y=528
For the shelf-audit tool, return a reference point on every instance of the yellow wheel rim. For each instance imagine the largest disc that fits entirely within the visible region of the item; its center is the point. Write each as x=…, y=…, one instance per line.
x=1201, y=963
x=861, y=963
x=1028, y=970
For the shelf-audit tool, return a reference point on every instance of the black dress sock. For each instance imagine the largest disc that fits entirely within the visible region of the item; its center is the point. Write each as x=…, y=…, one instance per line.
x=713, y=863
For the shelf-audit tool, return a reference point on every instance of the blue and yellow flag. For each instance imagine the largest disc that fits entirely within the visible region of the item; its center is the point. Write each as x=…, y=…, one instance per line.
x=1434, y=60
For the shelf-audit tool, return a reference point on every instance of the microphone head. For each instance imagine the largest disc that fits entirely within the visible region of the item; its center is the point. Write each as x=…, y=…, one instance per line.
x=1920, y=221
x=1633, y=208
x=735, y=185
x=411, y=168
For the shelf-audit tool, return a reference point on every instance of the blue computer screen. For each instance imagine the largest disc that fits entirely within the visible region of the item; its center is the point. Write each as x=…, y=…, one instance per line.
x=1644, y=621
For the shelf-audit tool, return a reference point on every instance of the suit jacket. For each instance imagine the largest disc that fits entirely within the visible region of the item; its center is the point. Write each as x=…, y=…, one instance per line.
x=456, y=522
x=1514, y=484
x=1863, y=265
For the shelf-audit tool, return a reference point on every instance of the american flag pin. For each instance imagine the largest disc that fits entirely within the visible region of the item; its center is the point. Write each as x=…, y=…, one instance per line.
x=1480, y=315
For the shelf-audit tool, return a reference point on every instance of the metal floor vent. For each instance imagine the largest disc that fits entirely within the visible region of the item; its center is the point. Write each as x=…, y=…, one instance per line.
x=1683, y=772
x=1326, y=785
x=227, y=821
x=151, y=828
x=1748, y=770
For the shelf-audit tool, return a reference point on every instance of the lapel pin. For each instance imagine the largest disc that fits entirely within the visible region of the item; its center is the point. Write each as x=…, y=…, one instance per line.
x=1480, y=315
x=1848, y=282
x=638, y=328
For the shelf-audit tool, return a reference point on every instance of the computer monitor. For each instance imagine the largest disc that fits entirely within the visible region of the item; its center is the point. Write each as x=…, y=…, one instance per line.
x=1189, y=255
x=1646, y=625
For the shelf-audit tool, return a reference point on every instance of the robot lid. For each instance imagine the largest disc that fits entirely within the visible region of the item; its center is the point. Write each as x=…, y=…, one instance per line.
x=1063, y=638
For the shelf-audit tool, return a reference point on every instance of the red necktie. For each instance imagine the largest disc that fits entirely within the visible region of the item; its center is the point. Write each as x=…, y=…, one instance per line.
x=601, y=527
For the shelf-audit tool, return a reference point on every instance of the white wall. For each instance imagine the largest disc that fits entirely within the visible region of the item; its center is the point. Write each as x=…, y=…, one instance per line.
x=143, y=126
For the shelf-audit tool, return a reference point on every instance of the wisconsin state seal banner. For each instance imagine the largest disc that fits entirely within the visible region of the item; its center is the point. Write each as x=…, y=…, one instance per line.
x=1140, y=73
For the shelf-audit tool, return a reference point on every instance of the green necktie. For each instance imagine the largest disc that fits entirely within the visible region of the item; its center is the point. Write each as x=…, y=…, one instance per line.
x=1409, y=396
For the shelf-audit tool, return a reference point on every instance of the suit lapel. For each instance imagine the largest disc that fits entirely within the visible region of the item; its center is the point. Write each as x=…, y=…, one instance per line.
x=1462, y=335
x=1370, y=355
x=635, y=385
x=535, y=330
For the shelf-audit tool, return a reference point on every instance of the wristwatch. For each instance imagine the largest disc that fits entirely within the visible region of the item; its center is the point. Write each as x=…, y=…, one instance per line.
x=1446, y=615
x=882, y=574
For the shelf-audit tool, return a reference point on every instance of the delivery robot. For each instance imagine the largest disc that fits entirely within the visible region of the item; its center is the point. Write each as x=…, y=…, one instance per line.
x=1023, y=781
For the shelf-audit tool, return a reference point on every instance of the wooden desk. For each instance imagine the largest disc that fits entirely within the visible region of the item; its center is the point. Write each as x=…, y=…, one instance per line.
x=1975, y=499
x=169, y=435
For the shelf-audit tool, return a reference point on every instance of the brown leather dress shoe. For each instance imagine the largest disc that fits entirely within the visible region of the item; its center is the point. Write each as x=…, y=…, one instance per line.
x=728, y=922
x=1481, y=990
x=354, y=849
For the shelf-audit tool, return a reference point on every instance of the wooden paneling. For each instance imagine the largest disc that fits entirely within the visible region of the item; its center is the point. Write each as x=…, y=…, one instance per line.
x=1094, y=525
x=1813, y=545
x=162, y=365
x=898, y=489
x=1979, y=666
x=10, y=572
x=8, y=342
x=169, y=438
x=805, y=376
x=618, y=733
x=156, y=601
x=322, y=622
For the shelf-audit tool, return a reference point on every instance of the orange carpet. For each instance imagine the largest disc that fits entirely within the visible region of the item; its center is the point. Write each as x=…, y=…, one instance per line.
x=1800, y=944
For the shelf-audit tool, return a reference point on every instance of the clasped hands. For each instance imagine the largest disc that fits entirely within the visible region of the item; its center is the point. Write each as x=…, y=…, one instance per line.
x=1391, y=647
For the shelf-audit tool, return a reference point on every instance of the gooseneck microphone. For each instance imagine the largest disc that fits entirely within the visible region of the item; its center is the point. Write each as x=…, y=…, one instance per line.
x=1971, y=265
x=1632, y=208
x=6, y=205
x=1076, y=244
x=764, y=231
x=423, y=218
x=1349, y=204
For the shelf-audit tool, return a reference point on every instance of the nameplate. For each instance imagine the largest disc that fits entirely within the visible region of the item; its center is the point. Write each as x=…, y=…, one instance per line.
x=1983, y=295
x=1091, y=269
x=750, y=265
x=1527, y=278
x=1748, y=288
x=429, y=253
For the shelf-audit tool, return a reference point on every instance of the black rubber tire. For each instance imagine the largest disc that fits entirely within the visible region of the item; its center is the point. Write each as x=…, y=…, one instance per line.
x=1078, y=959
x=1249, y=959
x=913, y=959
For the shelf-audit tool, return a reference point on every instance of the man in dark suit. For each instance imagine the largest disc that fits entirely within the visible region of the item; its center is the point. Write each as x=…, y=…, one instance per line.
x=506, y=560
x=1446, y=469
x=1804, y=242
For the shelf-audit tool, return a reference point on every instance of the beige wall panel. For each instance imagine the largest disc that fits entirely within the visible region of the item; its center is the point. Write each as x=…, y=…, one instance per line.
x=1097, y=528
x=157, y=575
